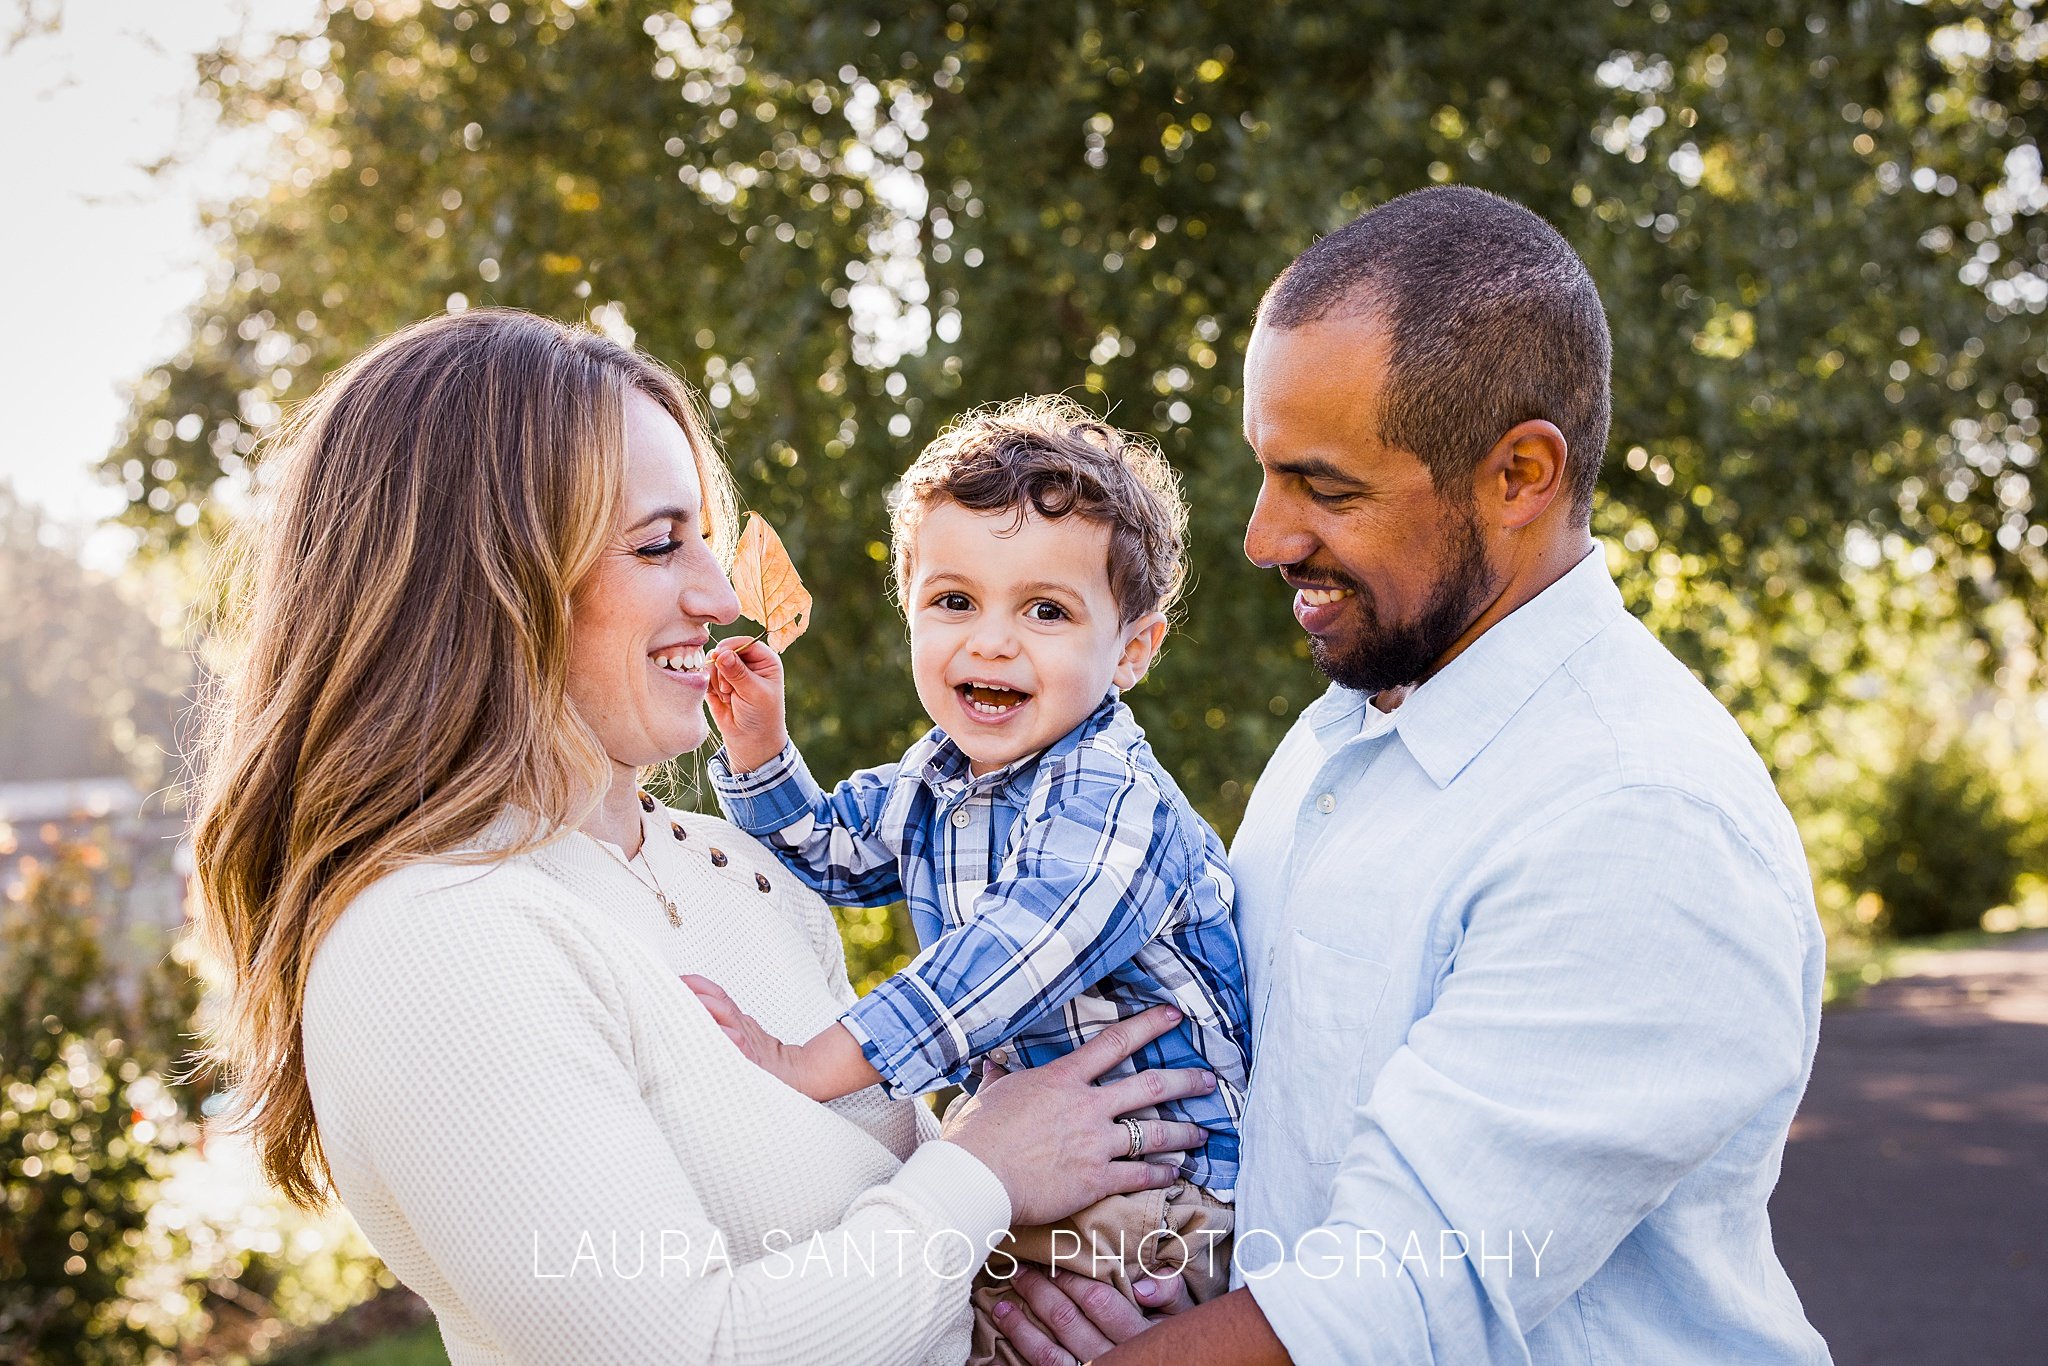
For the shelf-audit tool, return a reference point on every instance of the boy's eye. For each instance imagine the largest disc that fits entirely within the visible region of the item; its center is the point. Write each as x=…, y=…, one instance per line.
x=1047, y=611
x=952, y=602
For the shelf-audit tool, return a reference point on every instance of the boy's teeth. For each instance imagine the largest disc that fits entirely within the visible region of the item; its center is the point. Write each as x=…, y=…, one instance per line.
x=1323, y=597
x=991, y=700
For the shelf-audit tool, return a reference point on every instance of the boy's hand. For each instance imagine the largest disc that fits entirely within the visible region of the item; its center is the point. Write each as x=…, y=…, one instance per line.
x=763, y=1049
x=746, y=701
x=826, y=1068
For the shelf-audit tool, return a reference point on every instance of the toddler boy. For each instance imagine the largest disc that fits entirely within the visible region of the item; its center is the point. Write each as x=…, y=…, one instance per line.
x=1057, y=878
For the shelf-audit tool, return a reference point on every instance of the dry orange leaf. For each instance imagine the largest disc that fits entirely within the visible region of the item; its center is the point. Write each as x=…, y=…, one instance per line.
x=767, y=584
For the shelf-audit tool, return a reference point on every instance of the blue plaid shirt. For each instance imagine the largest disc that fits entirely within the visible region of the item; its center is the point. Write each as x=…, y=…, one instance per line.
x=1052, y=897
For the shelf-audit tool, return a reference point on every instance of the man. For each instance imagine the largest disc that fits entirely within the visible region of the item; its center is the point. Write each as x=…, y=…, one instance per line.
x=1533, y=960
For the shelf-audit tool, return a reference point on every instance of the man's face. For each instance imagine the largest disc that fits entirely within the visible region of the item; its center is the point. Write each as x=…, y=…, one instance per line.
x=1388, y=575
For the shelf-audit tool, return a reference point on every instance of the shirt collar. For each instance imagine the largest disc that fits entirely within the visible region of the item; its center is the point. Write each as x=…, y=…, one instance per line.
x=1447, y=721
x=946, y=769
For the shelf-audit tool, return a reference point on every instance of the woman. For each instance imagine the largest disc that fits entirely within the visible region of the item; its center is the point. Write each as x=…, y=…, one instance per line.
x=455, y=927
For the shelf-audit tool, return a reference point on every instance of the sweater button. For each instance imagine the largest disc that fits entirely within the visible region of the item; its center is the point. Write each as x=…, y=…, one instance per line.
x=761, y=881
x=718, y=859
x=680, y=833
x=646, y=801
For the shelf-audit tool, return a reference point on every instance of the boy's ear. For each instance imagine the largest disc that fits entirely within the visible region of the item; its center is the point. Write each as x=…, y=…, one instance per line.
x=1142, y=639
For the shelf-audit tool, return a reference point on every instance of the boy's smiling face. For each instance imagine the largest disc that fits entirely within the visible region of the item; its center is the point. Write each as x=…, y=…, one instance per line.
x=1015, y=634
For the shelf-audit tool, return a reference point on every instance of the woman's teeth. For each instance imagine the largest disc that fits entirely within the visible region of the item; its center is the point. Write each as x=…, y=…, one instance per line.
x=1323, y=597
x=687, y=662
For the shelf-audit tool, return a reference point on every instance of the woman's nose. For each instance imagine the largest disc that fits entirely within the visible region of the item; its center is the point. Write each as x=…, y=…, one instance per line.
x=708, y=594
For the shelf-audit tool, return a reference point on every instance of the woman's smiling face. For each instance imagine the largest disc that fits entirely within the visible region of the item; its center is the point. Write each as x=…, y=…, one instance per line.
x=1015, y=635
x=642, y=618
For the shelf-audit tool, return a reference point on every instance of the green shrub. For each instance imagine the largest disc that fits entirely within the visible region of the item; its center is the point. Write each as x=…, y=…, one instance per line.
x=1939, y=848
x=86, y=1119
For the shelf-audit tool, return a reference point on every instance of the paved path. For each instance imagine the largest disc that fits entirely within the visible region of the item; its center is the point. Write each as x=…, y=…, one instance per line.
x=1913, y=1209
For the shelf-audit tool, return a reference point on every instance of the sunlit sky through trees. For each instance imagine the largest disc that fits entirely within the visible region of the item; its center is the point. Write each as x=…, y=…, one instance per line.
x=99, y=257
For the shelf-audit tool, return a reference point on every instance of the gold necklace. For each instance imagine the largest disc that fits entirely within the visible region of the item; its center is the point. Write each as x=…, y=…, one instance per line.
x=668, y=905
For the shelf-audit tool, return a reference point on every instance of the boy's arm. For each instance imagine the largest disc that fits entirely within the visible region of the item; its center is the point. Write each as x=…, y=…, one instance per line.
x=1089, y=882
x=835, y=843
x=826, y=1068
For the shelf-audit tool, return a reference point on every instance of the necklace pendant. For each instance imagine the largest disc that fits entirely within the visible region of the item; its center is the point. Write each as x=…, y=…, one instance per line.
x=675, y=917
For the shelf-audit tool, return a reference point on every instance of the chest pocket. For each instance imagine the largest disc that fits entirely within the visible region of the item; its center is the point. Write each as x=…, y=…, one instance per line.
x=1313, y=1046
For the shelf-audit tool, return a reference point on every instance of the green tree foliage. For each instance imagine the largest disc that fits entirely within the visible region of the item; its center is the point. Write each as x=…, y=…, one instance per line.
x=86, y=1117
x=1817, y=227
x=1939, y=848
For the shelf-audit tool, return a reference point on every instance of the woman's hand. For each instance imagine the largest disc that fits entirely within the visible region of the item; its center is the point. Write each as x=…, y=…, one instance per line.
x=746, y=700
x=1051, y=1135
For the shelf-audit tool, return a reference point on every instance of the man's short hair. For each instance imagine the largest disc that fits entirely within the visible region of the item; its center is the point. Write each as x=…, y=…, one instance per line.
x=1049, y=455
x=1493, y=320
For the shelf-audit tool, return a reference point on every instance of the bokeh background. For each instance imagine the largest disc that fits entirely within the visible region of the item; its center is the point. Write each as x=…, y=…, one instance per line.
x=1821, y=232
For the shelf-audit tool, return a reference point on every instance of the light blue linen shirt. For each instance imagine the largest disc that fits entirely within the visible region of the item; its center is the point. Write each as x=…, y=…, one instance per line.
x=1535, y=984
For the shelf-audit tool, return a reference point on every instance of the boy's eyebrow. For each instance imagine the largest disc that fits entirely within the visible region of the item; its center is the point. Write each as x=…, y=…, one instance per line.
x=1049, y=586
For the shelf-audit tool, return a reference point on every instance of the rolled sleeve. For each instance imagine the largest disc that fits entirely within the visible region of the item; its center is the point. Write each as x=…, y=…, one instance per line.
x=838, y=844
x=773, y=797
x=1625, y=996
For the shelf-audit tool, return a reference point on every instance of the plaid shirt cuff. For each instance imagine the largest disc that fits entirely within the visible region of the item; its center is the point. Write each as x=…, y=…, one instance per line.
x=908, y=1036
x=766, y=799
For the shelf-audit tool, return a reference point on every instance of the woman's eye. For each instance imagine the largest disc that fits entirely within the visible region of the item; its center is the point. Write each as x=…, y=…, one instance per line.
x=660, y=550
x=1048, y=611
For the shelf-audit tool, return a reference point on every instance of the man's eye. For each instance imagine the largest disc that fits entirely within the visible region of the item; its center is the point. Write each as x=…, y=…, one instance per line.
x=1048, y=611
x=1328, y=498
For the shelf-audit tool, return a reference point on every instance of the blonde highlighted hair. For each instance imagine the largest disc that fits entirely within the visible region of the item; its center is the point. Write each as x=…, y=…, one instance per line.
x=404, y=654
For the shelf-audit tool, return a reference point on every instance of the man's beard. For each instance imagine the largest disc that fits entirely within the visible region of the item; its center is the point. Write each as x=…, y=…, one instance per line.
x=1380, y=656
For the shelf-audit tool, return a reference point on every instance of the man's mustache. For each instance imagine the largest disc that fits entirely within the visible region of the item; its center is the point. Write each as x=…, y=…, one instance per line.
x=1329, y=578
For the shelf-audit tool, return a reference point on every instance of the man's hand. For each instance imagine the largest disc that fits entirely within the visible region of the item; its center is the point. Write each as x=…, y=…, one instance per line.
x=1089, y=1321
x=745, y=694
x=1082, y=1318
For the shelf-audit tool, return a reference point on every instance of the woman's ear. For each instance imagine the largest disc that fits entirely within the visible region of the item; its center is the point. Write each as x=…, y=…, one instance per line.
x=1142, y=639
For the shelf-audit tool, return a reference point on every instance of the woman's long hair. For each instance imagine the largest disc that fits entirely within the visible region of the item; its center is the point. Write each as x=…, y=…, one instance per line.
x=404, y=655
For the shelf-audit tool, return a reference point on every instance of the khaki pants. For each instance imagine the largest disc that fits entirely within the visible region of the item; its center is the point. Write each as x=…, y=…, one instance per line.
x=1182, y=1228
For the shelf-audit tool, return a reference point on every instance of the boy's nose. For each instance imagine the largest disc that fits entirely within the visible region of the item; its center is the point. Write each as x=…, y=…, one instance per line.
x=992, y=644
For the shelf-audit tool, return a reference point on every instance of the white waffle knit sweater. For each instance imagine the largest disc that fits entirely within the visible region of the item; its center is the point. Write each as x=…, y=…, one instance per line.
x=543, y=1133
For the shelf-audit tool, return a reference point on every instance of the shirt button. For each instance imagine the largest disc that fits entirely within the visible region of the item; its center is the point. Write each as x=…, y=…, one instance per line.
x=1327, y=803
x=961, y=818
x=999, y=1056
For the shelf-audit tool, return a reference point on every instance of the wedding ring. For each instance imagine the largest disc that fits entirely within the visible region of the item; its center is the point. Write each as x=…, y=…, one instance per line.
x=1137, y=1131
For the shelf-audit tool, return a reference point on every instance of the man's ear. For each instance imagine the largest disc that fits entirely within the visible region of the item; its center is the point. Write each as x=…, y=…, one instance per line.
x=1522, y=475
x=1142, y=639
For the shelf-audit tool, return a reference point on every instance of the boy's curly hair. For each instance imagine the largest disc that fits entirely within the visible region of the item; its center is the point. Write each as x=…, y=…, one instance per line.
x=1047, y=454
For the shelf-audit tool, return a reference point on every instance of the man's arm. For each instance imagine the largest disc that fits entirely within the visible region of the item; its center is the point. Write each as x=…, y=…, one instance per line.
x=1625, y=996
